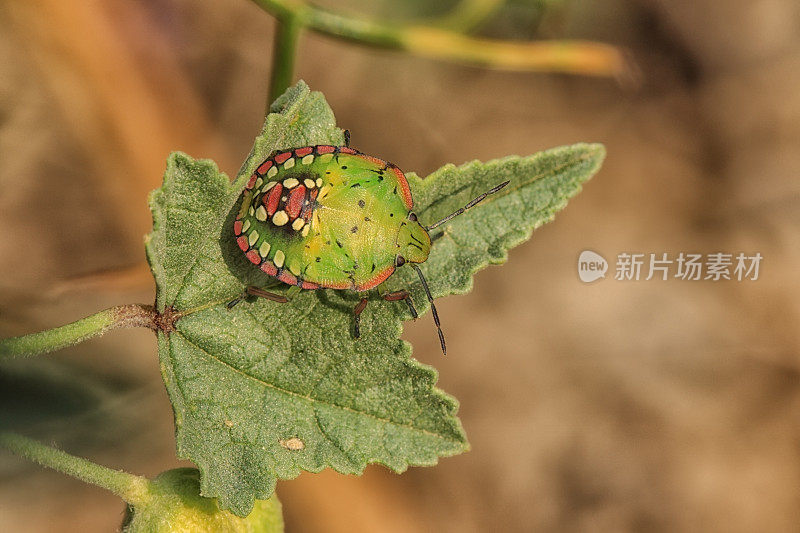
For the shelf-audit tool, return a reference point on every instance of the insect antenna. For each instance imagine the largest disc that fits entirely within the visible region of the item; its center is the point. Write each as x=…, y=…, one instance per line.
x=433, y=307
x=473, y=203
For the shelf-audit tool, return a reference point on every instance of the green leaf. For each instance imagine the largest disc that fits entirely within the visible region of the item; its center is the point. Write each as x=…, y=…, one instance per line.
x=265, y=390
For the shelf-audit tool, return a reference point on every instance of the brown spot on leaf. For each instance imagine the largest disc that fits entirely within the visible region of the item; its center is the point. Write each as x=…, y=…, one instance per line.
x=294, y=444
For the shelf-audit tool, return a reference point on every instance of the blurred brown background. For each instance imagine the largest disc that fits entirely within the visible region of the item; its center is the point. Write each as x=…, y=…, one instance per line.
x=615, y=406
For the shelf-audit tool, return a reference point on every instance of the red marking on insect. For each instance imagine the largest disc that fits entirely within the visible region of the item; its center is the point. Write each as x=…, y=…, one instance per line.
x=271, y=201
x=295, y=202
x=373, y=160
x=379, y=278
x=338, y=286
x=312, y=197
x=300, y=152
x=325, y=149
x=310, y=286
x=253, y=256
x=252, y=181
x=287, y=277
x=243, y=244
x=237, y=227
x=269, y=268
x=404, y=189
x=347, y=150
x=265, y=166
x=280, y=158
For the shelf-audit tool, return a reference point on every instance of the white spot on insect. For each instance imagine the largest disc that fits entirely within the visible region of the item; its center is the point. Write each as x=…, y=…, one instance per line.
x=305, y=230
x=259, y=183
x=253, y=237
x=307, y=159
x=264, y=249
x=294, y=444
x=319, y=182
x=279, y=258
x=280, y=218
x=245, y=226
x=261, y=213
x=291, y=182
x=272, y=171
x=289, y=163
x=271, y=184
x=251, y=211
x=284, y=198
x=298, y=224
x=326, y=157
x=308, y=183
x=294, y=269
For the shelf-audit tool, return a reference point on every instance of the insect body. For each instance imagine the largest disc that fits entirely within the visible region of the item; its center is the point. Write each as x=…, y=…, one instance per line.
x=332, y=217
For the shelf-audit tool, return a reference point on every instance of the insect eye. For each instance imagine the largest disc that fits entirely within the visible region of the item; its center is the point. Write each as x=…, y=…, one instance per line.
x=400, y=261
x=412, y=217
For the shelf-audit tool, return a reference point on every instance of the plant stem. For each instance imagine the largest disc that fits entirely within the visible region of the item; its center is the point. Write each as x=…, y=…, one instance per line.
x=121, y=316
x=131, y=488
x=287, y=33
x=574, y=57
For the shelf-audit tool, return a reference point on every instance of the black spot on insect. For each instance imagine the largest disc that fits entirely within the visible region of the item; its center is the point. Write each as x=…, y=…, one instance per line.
x=353, y=186
x=355, y=265
x=391, y=214
x=395, y=190
x=339, y=244
x=328, y=243
x=328, y=172
x=354, y=229
x=380, y=177
x=361, y=203
x=317, y=259
x=344, y=167
x=367, y=219
x=373, y=268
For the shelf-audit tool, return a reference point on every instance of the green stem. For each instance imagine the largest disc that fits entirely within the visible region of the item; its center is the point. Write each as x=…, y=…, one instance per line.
x=121, y=316
x=284, y=52
x=574, y=57
x=133, y=489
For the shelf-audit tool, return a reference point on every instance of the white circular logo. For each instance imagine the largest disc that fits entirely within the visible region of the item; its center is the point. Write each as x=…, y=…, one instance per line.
x=591, y=266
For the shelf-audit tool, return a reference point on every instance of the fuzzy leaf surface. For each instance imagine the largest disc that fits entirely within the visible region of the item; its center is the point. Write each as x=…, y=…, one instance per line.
x=265, y=390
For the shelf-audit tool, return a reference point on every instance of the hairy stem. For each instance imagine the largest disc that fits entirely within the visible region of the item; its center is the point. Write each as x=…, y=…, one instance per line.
x=574, y=57
x=121, y=316
x=131, y=488
x=284, y=53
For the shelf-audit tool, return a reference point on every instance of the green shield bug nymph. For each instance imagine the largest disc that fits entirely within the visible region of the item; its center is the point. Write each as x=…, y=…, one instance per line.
x=332, y=217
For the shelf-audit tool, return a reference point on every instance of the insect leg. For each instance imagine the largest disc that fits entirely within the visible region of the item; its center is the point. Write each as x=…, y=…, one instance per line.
x=347, y=138
x=357, y=310
x=402, y=295
x=255, y=291
x=261, y=293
